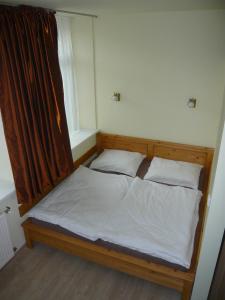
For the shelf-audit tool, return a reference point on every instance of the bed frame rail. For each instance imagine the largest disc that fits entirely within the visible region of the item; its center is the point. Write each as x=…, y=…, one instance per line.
x=139, y=267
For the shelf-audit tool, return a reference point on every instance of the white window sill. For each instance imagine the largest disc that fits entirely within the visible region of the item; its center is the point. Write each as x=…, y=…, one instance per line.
x=80, y=136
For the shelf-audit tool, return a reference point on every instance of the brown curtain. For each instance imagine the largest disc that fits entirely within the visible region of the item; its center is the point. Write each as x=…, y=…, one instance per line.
x=31, y=101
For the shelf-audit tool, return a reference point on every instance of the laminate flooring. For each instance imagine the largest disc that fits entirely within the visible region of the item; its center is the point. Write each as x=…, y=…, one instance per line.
x=44, y=273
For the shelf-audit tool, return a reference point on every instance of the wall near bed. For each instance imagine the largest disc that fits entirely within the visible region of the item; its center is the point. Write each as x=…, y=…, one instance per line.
x=157, y=61
x=5, y=168
x=215, y=222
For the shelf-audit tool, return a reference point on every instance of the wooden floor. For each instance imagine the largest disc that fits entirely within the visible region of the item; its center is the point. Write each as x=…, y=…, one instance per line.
x=45, y=273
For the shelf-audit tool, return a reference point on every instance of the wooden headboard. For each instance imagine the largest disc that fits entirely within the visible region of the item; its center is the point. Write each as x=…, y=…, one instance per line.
x=182, y=152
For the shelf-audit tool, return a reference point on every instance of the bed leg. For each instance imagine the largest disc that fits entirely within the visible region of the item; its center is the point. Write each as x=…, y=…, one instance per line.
x=187, y=289
x=29, y=242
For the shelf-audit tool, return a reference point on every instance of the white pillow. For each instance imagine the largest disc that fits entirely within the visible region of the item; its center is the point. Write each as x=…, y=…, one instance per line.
x=120, y=161
x=174, y=172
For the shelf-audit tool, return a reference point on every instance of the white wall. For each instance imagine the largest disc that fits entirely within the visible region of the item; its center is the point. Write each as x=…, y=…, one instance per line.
x=157, y=61
x=5, y=168
x=14, y=220
x=215, y=223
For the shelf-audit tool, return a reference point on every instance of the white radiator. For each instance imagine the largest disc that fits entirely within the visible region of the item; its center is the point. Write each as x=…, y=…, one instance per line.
x=6, y=247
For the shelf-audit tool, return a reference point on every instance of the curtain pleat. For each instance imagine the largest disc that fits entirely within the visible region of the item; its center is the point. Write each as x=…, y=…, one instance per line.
x=31, y=101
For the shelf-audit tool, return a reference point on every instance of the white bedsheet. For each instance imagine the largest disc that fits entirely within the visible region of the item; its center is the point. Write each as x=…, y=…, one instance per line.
x=84, y=203
x=148, y=217
x=160, y=220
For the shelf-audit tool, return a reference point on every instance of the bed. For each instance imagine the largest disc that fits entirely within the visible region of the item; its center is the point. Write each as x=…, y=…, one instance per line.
x=122, y=258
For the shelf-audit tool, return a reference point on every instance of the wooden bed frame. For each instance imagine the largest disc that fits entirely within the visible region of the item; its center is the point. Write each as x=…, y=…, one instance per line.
x=151, y=271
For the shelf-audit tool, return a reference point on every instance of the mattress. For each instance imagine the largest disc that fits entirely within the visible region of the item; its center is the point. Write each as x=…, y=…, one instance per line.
x=98, y=206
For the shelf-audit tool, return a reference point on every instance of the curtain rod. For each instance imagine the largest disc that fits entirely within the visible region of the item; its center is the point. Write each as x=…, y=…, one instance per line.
x=75, y=13
x=57, y=10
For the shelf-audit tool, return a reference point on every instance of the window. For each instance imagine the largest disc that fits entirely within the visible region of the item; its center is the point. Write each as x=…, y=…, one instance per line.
x=66, y=61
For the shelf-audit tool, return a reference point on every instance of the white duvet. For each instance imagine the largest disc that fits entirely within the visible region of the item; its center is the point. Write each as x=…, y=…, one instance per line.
x=148, y=217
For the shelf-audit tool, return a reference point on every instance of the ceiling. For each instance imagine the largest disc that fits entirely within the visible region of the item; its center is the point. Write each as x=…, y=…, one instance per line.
x=123, y=6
